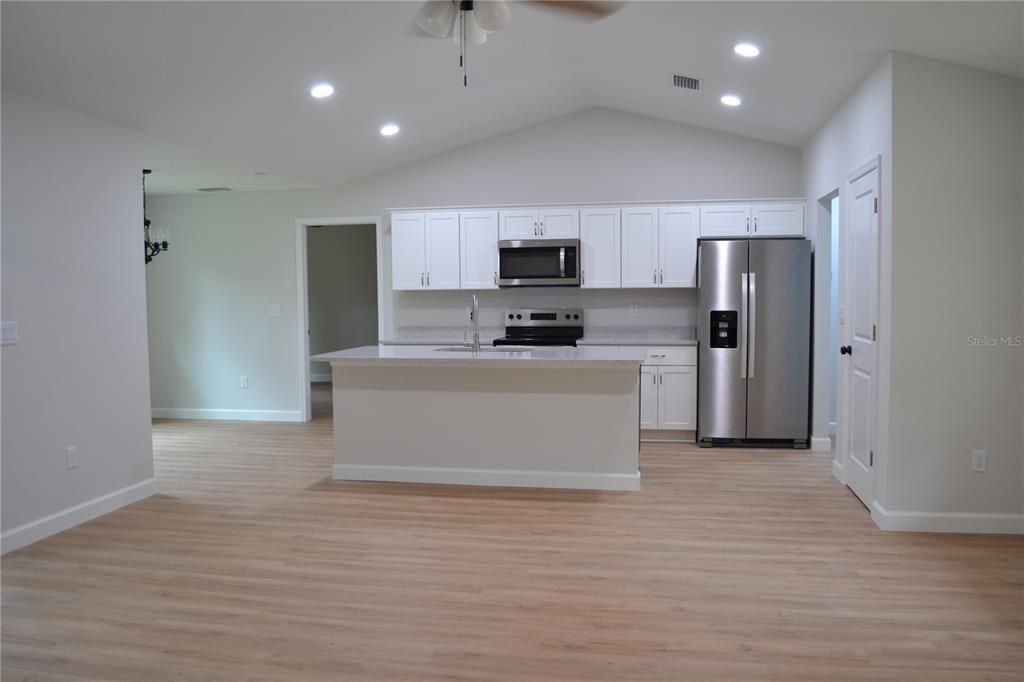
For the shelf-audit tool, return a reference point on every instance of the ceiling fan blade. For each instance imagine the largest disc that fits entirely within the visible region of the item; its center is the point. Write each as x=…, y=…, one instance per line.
x=585, y=10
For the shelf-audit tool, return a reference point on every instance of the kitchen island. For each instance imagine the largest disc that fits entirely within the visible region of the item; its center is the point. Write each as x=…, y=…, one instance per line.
x=555, y=417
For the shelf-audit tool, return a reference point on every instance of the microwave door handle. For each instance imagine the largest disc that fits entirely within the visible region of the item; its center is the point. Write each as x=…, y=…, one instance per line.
x=561, y=262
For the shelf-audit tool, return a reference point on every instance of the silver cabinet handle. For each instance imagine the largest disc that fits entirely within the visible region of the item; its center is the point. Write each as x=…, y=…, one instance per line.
x=743, y=325
x=654, y=378
x=748, y=224
x=661, y=276
x=583, y=277
x=755, y=223
x=428, y=279
x=536, y=230
x=753, y=324
x=421, y=279
x=542, y=227
x=495, y=279
x=655, y=275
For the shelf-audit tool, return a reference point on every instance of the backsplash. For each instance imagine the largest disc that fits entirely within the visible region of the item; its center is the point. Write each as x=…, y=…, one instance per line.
x=603, y=307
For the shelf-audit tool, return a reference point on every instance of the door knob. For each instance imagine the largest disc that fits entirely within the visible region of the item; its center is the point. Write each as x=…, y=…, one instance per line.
x=846, y=350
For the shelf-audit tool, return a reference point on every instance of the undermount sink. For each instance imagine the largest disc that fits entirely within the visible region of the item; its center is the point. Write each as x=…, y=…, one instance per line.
x=486, y=349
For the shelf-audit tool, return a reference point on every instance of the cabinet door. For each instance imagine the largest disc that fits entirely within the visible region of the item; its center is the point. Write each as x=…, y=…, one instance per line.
x=519, y=224
x=648, y=397
x=677, y=398
x=724, y=220
x=559, y=223
x=408, y=251
x=599, y=243
x=778, y=220
x=442, y=250
x=639, y=247
x=478, y=237
x=677, y=246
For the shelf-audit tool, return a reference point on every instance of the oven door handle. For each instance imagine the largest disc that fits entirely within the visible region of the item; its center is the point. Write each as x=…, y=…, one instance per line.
x=561, y=262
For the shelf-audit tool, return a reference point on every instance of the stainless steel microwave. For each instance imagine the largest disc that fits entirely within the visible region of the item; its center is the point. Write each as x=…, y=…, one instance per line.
x=539, y=263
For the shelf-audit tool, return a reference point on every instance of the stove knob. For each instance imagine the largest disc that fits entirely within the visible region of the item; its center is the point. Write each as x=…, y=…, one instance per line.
x=576, y=316
x=511, y=316
x=519, y=317
x=568, y=316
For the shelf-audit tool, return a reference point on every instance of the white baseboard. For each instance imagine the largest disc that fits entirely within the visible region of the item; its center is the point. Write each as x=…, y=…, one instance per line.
x=819, y=444
x=947, y=522
x=230, y=415
x=489, y=477
x=837, y=471
x=34, y=531
x=320, y=377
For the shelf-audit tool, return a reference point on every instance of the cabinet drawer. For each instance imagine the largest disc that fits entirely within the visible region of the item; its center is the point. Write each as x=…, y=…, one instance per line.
x=671, y=355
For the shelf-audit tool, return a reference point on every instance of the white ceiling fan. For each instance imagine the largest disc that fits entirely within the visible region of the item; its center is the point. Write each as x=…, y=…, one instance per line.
x=469, y=21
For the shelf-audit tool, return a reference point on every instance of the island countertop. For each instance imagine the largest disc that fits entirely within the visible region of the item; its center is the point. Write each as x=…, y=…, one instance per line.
x=426, y=356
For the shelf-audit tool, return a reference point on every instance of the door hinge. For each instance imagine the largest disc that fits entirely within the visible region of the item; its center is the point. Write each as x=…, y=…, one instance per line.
x=874, y=332
x=876, y=204
x=871, y=458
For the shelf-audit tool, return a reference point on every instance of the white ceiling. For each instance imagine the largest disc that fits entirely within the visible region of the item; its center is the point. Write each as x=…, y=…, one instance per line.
x=220, y=89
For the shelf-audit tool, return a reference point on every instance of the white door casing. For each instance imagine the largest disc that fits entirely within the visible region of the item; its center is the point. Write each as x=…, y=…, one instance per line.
x=859, y=330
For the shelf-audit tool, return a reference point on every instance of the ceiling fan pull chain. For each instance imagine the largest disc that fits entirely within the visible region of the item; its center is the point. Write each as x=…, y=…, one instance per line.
x=465, y=54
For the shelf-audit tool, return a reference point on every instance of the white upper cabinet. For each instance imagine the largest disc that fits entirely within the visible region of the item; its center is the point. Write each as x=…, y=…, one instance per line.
x=479, y=240
x=408, y=251
x=640, y=247
x=778, y=220
x=724, y=220
x=559, y=223
x=519, y=224
x=442, y=250
x=544, y=223
x=678, y=228
x=600, y=247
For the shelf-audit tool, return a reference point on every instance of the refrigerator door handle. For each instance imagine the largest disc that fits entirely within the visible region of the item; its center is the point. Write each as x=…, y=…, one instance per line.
x=743, y=325
x=753, y=324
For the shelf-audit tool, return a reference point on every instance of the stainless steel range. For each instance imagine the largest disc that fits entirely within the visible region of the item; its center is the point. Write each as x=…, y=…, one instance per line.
x=542, y=327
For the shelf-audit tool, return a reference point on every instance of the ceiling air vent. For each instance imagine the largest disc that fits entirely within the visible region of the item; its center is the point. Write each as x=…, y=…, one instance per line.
x=686, y=82
x=214, y=189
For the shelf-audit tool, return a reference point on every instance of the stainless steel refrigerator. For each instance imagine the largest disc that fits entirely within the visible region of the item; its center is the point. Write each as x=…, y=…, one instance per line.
x=754, y=331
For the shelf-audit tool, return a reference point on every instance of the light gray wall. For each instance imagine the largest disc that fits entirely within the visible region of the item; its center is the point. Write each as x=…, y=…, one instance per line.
x=233, y=254
x=958, y=240
x=342, y=277
x=861, y=129
x=73, y=280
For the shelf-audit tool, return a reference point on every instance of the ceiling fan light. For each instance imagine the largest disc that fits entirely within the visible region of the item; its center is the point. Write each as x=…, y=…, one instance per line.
x=474, y=34
x=436, y=17
x=491, y=14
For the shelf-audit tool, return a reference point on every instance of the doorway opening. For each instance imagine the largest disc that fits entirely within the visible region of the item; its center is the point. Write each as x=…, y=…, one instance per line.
x=339, y=307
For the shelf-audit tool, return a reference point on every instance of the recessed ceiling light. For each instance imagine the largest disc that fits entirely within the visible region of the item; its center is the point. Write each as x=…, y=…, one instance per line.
x=747, y=50
x=389, y=129
x=321, y=90
x=731, y=100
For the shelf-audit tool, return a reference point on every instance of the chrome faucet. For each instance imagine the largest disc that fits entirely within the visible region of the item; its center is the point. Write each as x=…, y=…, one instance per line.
x=475, y=316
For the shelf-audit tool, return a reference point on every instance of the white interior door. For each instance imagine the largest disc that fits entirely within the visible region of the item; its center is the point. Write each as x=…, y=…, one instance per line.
x=678, y=227
x=640, y=247
x=599, y=243
x=408, y=251
x=859, y=353
x=648, y=397
x=442, y=250
x=479, y=242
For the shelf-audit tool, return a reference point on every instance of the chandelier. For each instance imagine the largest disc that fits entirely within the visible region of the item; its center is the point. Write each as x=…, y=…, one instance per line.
x=153, y=246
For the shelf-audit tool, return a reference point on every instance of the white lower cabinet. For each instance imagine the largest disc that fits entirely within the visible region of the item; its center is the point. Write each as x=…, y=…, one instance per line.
x=648, y=397
x=677, y=398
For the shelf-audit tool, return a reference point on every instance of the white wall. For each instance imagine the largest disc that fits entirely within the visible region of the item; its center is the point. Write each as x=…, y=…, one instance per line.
x=342, y=276
x=233, y=253
x=860, y=130
x=73, y=280
x=958, y=240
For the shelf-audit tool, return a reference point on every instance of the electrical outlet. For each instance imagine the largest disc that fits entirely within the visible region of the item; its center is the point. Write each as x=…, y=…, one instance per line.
x=72, y=457
x=979, y=460
x=274, y=309
x=9, y=333
x=244, y=383
x=634, y=310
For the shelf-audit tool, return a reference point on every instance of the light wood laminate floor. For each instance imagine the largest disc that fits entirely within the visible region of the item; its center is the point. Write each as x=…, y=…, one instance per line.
x=251, y=564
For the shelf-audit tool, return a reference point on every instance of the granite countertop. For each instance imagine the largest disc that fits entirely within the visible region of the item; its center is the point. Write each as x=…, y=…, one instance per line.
x=551, y=356
x=639, y=336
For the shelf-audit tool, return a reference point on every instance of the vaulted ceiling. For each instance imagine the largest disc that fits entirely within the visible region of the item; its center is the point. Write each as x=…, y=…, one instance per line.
x=220, y=89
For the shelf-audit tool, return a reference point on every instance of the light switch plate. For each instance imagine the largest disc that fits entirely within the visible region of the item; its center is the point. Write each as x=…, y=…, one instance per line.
x=8, y=333
x=275, y=310
x=244, y=382
x=634, y=310
x=979, y=460
x=72, y=457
